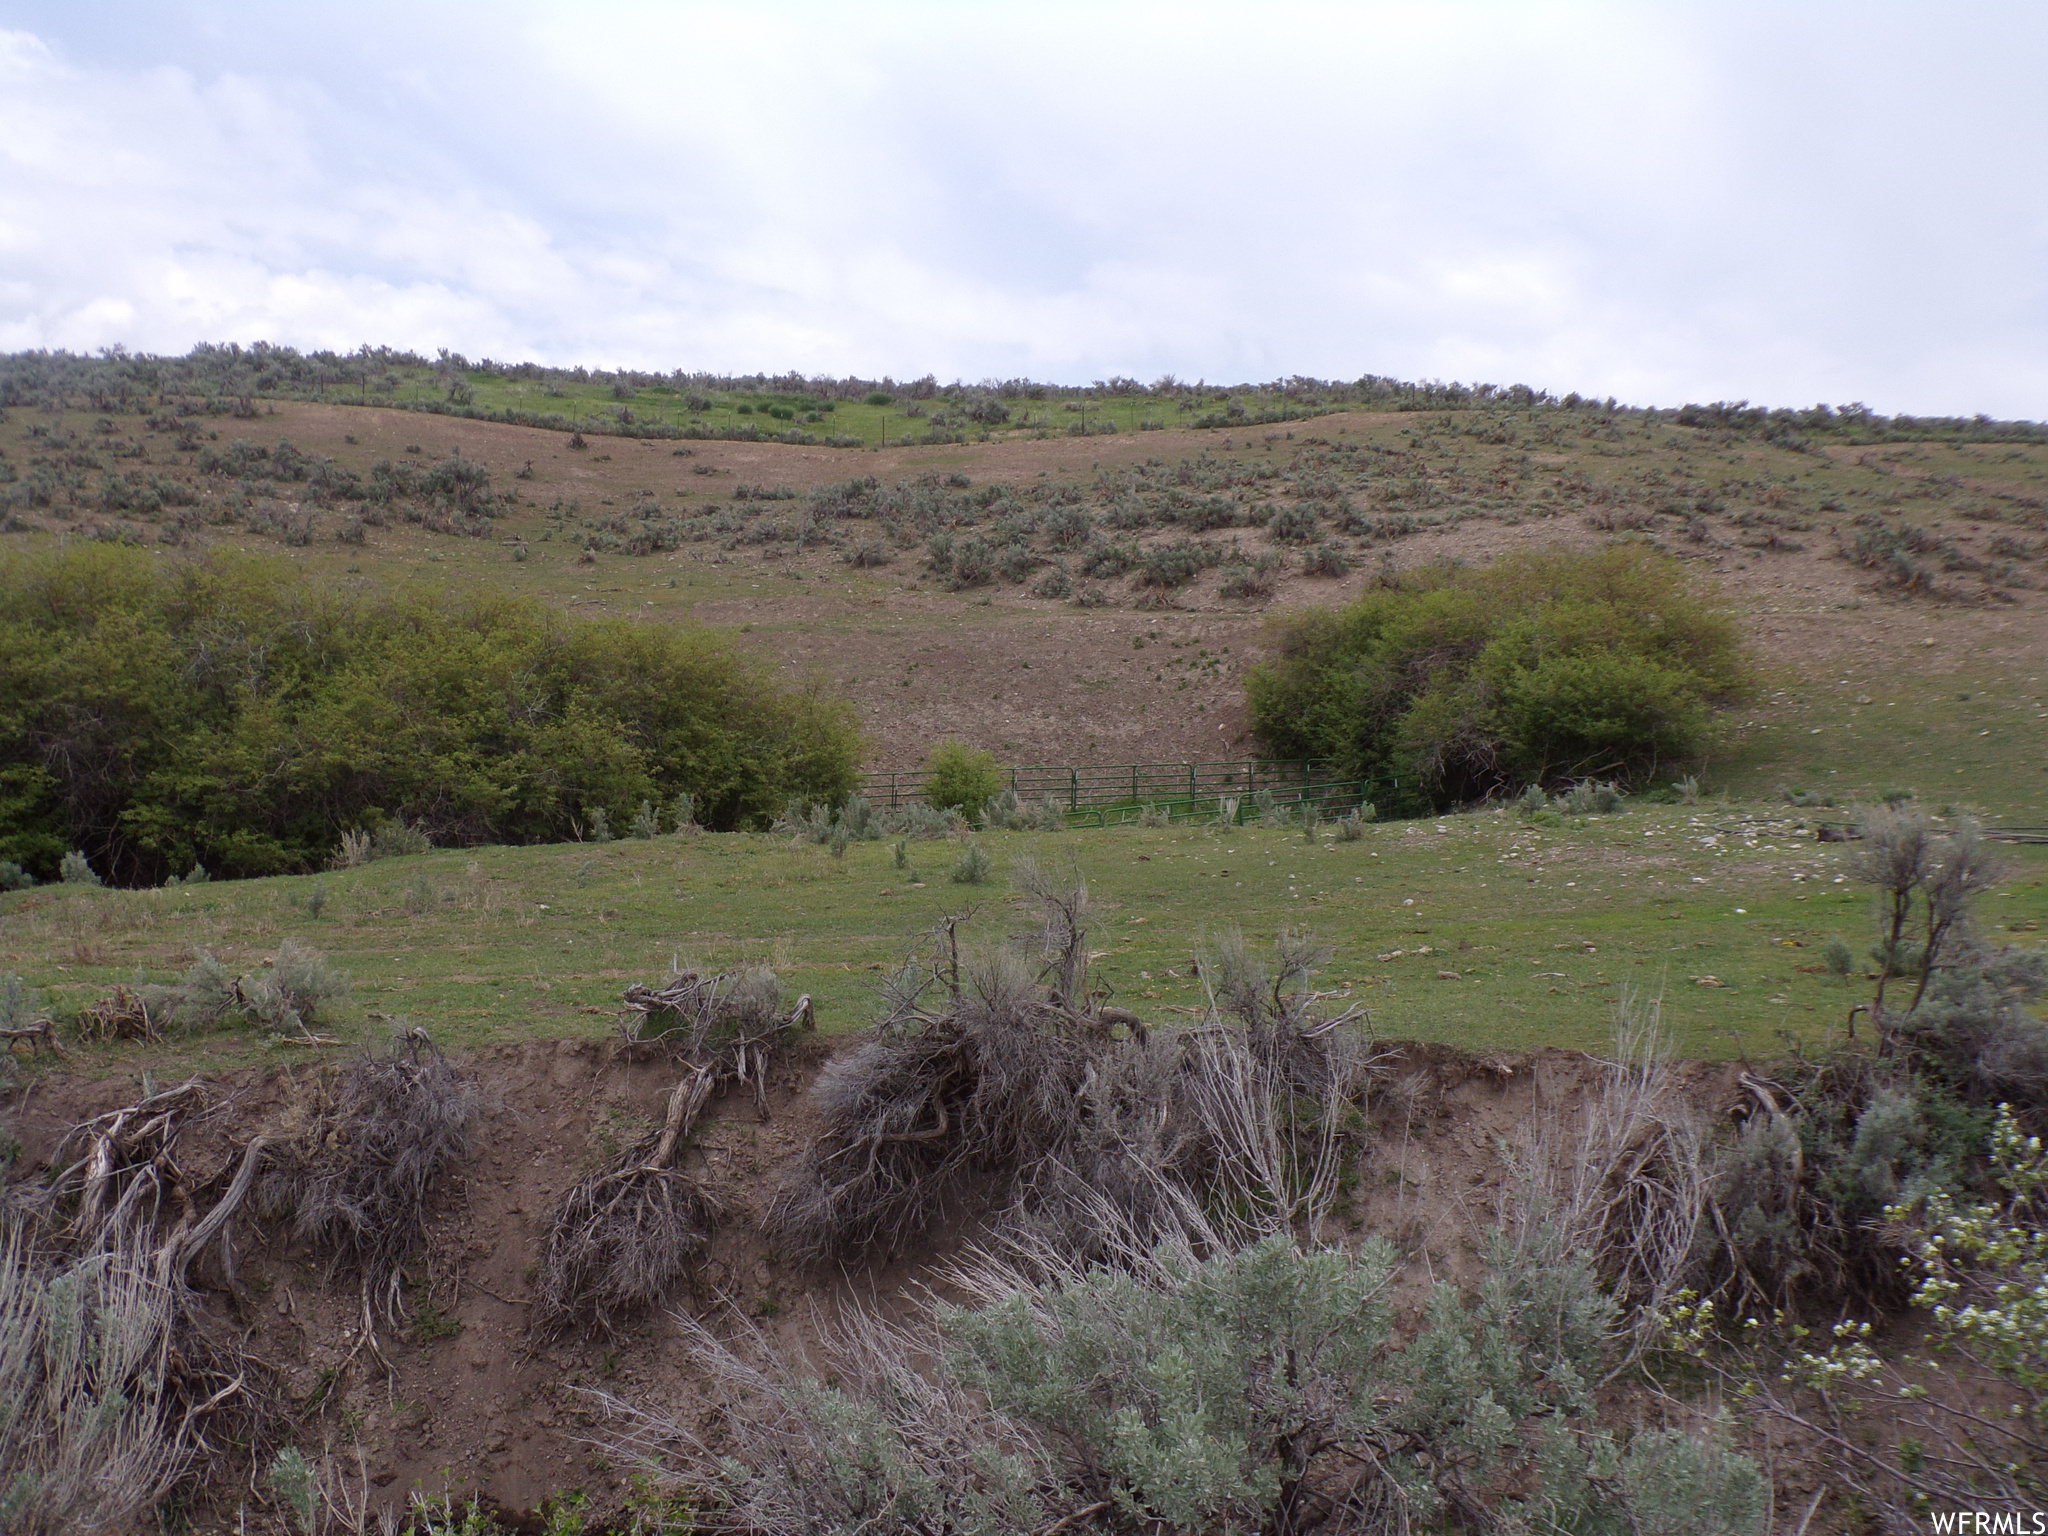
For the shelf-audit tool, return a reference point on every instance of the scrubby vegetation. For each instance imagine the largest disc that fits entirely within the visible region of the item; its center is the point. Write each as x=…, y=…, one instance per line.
x=1263, y=1388
x=159, y=714
x=1003, y=1073
x=1538, y=669
x=1181, y=1306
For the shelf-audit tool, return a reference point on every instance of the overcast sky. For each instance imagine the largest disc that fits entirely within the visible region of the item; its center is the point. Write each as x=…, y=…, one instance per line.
x=1788, y=203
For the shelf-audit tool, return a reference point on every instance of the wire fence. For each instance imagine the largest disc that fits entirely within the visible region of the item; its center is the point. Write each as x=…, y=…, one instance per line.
x=2016, y=834
x=1329, y=799
x=1135, y=784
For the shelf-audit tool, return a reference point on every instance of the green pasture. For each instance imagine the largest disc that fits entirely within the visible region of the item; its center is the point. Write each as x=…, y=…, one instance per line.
x=1976, y=738
x=1484, y=930
x=904, y=419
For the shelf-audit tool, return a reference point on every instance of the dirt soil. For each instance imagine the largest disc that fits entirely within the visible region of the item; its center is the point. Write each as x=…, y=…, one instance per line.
x=473, y=1402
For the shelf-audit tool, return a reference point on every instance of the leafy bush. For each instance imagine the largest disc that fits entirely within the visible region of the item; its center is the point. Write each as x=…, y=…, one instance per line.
x=76, y=869
x=958, y=777
x=1803, y=1188
x=13, y=877
x=1542, y=667
x=1055, y=583
x=1106, y=562
x=1293, y=525
x=1166, y=566
x=1978, y=1270
x=399, y=840
x=1250, y=579
x=1325, y=560
x=1003, y=812
x=1068, y=527
x=231, y=710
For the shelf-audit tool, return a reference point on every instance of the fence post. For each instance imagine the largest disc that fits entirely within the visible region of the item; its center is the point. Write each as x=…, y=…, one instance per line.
x=1073, y=789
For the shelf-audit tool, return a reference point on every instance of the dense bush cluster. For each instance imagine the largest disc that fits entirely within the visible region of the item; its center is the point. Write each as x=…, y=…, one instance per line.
x=1541, y=668
x=164, y=713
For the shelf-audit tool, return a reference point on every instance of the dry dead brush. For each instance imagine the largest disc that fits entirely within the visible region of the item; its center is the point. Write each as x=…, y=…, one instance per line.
x=119, y=1383
x=996, y=1085
x=1622, y=1181
x=357, y=1177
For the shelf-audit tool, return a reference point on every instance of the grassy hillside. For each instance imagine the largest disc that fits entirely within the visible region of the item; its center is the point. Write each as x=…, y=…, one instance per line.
x=1721, y=908
x=1191, y=538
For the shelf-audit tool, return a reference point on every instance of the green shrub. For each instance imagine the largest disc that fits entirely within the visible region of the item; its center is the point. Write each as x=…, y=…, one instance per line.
x=973, y=867
x=1055, y=583
x=1542, y=667
x=1325, y=560
x=1250, y=579
x=399, y=840
x=958, y=777
x=298, y=1486
x=13, y=877
x=76, y=869
x=234, y=710
x=1263, y=1389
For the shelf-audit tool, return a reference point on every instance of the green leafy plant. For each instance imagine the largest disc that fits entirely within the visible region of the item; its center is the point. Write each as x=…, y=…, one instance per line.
x=501, y=717
x=959, y=777
x=295, y=1482
x=1539, y=668
x=973, y=868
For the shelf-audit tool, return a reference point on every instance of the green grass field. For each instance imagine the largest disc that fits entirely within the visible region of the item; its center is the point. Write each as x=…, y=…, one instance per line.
x=902, y=420
x=1720, y=909
x=1972, y=738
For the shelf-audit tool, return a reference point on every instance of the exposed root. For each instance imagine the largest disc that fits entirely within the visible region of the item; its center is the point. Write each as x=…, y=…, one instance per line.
x=120, y=1387
x=625, y=1234
x=40, y=1035
x=733, y=1020
x=123, y=1014
x=358, y=1179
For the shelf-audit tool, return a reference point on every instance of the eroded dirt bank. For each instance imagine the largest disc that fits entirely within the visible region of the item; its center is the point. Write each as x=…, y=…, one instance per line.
x=462, y=1396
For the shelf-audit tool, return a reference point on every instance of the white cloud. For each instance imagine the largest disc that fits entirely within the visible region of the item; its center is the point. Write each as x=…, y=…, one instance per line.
x=1662, y=203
